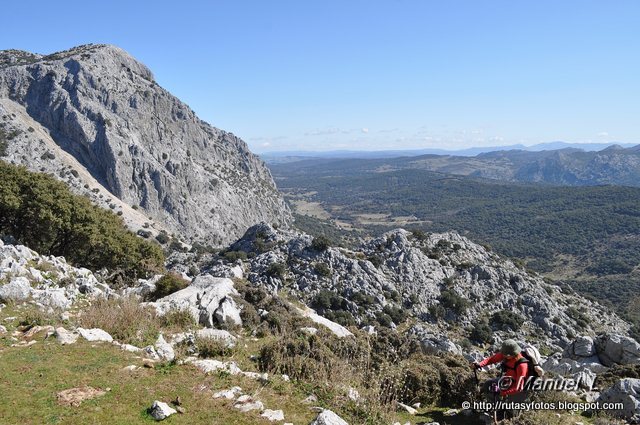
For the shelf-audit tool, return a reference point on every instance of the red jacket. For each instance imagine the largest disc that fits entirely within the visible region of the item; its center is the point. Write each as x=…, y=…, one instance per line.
x=516, y=371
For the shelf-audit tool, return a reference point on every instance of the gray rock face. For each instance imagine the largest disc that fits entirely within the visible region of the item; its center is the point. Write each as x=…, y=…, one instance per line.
x=617, y=349
x=98, y=115
x=626, y=391
x=423, y=277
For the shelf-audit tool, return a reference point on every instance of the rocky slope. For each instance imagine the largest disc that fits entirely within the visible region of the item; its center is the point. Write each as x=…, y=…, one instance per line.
x=443, y=283
x=96, y=118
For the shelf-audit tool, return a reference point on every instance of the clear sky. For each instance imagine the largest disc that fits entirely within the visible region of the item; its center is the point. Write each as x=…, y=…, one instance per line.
x=351, y=74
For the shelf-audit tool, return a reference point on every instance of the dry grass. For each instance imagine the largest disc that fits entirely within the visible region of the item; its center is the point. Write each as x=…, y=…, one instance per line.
x=124, y=319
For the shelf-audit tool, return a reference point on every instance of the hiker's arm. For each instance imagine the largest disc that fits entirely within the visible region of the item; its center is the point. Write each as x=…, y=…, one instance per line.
x=519, y=380
x=496, y=358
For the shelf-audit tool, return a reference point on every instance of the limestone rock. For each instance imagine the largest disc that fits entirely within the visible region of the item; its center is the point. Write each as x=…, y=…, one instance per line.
x=94, y=335
x=327, y=417
x=617, y=349
x=218, y=334
x=18, y=290
x=160, y=411
x=164, y=349
x=626, y=391
x=273, y=415
x=204, y=297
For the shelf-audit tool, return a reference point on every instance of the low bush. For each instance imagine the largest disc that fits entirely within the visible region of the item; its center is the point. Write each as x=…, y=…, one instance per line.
x=481, y=333
x=320, y=243
x=167, y=285
x=213, y=347
x=507, y=320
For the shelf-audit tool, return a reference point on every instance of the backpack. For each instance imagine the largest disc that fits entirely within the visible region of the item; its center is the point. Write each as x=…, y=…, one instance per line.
x=531, y=355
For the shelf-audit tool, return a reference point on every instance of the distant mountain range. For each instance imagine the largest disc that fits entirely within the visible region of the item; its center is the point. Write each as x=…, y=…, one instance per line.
x=289, y=156
x=570, y=166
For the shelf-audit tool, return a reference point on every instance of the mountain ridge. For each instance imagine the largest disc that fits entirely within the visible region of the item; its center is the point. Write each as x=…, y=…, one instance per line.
x=139, y=142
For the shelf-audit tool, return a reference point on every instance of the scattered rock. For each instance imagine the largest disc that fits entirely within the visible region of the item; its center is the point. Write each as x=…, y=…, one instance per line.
x=65, y=337
x=311, y=399
x=164, y=349
x=273, y=415
x=218, y=334
x=407, y=409
x=75, y=396
x=160, y=411
x=309, y=330
x=327, y=417
x=94, y=335
x=37, y=329
x=229, y=394
x=246, y=404
x=338, y=330
x=3, y=330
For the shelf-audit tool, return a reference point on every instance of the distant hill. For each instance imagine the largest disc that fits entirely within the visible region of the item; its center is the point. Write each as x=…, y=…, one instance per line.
x=291, y=156
x=570, y=166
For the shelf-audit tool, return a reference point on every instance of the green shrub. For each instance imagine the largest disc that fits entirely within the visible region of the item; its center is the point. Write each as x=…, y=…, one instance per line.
x=507, y=320
x=276, y=270
x=320, y=243
x=168, y=284
x=233, y=256
x=322, y=269
x=450, y=300
x=397, y=314
x=43, y=214
x=481, y=333
x=163, y=237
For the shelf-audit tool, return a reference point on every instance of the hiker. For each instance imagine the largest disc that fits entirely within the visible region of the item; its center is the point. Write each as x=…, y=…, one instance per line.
x=510, y=386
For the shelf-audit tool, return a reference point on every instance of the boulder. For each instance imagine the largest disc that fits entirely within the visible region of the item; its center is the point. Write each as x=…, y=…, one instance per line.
x=160, y=411
x=583, y=346
x=626, y=391
x=203, y=298
x=55, y=298
x=164, y=349
x=617, y=349
x=65, y=337
x=228, y=312
x=18, y=290
x=327, y=417
x=218, y=334
x=229, y=394
x=94, y=335
x=337, y=329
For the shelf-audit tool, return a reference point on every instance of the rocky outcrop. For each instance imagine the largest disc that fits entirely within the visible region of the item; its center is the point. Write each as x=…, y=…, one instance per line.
x=207, y=298
x=436, y=278
x=626, y=391
x=48, y=281
x=617, y=349
x=95, y=117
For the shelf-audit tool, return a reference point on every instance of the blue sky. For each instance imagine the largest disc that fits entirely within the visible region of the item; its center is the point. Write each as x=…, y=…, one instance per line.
x=349, y=74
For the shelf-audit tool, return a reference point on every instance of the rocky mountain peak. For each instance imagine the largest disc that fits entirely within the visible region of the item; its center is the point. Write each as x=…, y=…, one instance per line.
x=94, y=116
